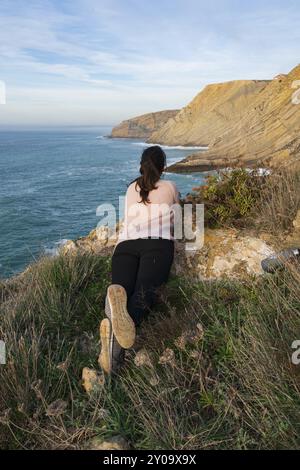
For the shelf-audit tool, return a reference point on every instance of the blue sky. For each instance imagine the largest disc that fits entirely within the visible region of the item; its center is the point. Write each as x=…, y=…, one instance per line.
x=94, y=62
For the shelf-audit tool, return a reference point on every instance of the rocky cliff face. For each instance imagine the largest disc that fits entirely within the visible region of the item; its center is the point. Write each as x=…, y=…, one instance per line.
x=211, y=113
x=141, y=127
x=267, y=133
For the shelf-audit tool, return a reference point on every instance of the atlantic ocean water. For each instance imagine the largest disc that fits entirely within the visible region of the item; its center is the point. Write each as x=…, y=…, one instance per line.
x=52, y=181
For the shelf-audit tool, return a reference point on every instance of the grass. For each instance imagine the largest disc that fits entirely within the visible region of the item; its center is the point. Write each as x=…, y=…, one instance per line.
x=233, y=387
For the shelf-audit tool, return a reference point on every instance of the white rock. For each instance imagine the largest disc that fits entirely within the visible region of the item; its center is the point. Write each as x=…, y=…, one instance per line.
x=68, y=247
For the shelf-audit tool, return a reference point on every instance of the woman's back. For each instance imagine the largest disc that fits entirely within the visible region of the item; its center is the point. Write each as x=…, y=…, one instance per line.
x=151, y=219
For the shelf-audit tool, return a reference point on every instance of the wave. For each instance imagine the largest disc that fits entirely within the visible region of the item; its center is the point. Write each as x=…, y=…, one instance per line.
x=259, y=171
x=175, y=147
x=54, y=250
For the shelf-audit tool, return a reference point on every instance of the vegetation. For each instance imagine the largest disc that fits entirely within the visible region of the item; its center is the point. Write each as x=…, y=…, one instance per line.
x=219, y=374
x=237, y=198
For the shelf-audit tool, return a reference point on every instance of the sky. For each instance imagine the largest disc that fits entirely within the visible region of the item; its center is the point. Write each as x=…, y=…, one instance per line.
x=97, y=62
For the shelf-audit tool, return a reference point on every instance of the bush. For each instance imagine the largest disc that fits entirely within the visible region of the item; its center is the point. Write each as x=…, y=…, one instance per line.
x=248, y=199
x=229, y=196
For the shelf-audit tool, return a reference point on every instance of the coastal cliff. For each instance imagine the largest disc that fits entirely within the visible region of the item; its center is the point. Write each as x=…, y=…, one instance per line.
x=267, y=134
x=245, y=123
x=211, y=113
x=141, y=127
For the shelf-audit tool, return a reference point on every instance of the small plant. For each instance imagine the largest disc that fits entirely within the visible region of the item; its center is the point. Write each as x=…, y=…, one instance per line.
x=228, y=196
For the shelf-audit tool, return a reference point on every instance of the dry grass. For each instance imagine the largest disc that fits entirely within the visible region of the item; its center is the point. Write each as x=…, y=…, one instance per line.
x=233, y=388
x=279, y=202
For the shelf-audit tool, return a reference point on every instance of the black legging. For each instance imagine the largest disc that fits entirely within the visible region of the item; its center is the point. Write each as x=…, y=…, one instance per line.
x=140, y=266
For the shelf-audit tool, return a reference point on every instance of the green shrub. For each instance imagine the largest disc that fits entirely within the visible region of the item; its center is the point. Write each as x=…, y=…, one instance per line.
x=241, y=199
x=228, y=196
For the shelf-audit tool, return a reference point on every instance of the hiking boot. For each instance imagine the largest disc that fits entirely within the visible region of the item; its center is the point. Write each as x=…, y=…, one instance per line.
x=112, y=354
x=116, y=310
x=278, y=260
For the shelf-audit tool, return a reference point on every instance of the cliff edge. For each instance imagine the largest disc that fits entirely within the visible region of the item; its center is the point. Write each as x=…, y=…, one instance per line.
x=211, y=113
x=266, y=134
x=141, y=127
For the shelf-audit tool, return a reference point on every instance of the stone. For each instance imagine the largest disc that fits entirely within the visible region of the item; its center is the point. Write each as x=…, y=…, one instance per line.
x=68, y=247
x=244, y=254
x=226, y=253
x=114, y=443
x=92, y=380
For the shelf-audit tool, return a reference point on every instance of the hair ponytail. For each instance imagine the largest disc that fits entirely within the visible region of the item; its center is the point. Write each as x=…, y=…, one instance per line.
x=153, y=162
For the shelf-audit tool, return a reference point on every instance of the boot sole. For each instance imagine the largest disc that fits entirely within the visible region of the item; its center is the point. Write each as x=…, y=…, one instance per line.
x=122, y=324
x=104, y=359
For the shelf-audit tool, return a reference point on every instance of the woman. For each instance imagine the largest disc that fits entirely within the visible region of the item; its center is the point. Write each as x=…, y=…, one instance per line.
x=142, y=258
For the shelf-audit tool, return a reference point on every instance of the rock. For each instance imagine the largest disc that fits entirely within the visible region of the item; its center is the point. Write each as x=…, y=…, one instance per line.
x=102, y=234
x=243, y=255
x=92, y=380
x=226, y=253
x=114, y=443
x=68, y=247
x=57, y=408
x=142, y=358
x=101, y=240
x=141, y=127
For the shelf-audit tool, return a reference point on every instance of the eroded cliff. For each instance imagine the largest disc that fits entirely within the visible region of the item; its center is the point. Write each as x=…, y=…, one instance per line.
x=267, y=134
x=211, y=113
x=141, y=127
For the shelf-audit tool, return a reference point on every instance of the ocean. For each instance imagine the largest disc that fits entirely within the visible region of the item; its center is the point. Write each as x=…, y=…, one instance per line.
x=52, y=181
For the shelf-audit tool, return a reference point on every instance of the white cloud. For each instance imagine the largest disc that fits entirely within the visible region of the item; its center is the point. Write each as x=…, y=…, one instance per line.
x=120, y=58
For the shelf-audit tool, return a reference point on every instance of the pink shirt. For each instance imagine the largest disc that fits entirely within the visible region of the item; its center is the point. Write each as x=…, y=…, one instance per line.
x=153, y=219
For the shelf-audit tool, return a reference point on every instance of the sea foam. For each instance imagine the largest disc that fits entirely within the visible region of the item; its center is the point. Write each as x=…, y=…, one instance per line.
x=175, y=147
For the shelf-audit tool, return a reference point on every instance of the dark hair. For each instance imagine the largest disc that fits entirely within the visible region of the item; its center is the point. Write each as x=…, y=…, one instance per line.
x=153, y=162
